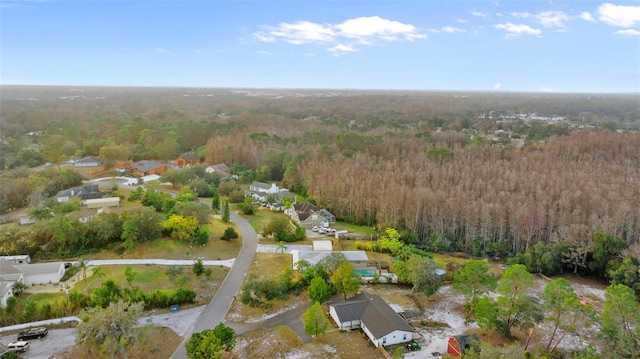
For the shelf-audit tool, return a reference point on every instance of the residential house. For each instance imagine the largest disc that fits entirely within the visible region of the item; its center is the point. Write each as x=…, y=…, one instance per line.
x=19, y=259
x=377, y=319
x=84, y=192
x=358, y=259
x=261, y=191
x=89, y=161
x=187, y=159
x=308, y=215
x=40, y=273
x=120, y=166
x=145, y=168
x=9, y=275
x=219, y=169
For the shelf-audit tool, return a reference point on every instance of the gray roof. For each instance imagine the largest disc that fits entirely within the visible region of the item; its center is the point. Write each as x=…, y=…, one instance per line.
x=39, y=268
x=261, y=185
x=8, y=271
x=145, y=165
x=305, y=209
x=189, y=156
x=89, y=159
x=373, y=312
x=220, y=168
x=314, y=257
x=84, y=192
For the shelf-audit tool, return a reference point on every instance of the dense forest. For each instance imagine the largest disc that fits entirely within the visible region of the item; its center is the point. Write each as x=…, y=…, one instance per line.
x=449, y=168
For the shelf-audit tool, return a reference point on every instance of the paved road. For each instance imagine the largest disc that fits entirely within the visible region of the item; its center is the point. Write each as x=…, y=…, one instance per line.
x=217, y=309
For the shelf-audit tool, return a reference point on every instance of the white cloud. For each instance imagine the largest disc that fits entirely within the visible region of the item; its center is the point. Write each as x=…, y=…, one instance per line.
x=462, y=21
x=344, y=36
x=628, y=32
x=514, y=30
x=160, y=50
x=264, y=53
x=521, y=15
x=553, y=19
x=586, y=16
x=619, y=15
x=374, y=27
x=342, y=49
x=497, y=86
x=451, y=29
x=479, y=14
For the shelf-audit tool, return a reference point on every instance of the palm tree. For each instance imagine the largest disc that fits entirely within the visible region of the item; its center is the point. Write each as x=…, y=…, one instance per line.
x=82, y=265
x=281, y=247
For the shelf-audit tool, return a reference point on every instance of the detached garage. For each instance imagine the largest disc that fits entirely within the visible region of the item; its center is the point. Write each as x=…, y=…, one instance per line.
x=41, y=273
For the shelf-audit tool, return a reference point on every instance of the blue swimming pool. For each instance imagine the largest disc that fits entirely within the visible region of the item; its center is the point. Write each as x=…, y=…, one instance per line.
x=366, y=272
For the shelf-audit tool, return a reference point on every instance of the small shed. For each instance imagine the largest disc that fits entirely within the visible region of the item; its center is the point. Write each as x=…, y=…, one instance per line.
x=460, y=343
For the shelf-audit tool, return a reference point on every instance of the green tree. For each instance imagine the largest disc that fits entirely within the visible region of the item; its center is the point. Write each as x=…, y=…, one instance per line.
x=315, y=323
x=473, y=279
x=276, y=226
x=628, y=273
x=173, y=272
x=564, y=311
x=332, y=261
x=110, y=329
x=182, y=228
x=281, y=247
x=398, y=353
x=215, y=201
x=513, y=306
x=229, y=233
x=112, y=153
x=198, y=267
x=423, y=274
x=225, y=211
x=211, y=343
x=82, y=265
x=390, y=241
x=141, y=225
x=247, y=207
x=344, y=279
x=39, y=212
x=319, y=291
x=606, y=254
x=130, y=275
x=621, y=322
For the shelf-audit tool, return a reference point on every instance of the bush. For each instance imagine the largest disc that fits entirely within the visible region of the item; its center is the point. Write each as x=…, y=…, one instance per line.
x=229, y=234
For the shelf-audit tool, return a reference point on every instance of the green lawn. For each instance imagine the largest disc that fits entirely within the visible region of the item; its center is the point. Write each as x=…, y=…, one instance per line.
x=355, y=229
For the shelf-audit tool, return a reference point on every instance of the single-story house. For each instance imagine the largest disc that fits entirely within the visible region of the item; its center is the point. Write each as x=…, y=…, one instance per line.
x=19, y=259
x=260, y=191
x=120, y=166
x=145, y=167
x=308, y=215
x=39, y=273
x=90, y=191
x=220, y=169
x=358, y=259
x=89, y=161
x=9, y=275
x=103, y=202
x=377, y=319
x=187, y=159
x=458, y=344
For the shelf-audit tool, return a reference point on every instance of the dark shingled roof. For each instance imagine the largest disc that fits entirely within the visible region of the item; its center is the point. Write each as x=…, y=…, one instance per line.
x=189, y=156
x=145, y=166
x=374, y=312
x=305, y=209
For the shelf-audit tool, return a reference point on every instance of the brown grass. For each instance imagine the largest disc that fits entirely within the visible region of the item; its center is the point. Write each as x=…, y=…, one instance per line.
x=157, y=342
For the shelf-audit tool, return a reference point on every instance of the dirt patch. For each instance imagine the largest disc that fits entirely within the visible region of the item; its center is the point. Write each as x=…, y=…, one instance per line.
x=158, y=342
x=282, y=342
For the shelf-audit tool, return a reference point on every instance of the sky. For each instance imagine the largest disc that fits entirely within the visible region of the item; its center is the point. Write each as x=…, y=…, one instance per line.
x=528, y=46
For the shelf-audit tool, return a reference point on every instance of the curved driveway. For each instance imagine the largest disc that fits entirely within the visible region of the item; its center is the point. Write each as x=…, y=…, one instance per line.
x=217, y=309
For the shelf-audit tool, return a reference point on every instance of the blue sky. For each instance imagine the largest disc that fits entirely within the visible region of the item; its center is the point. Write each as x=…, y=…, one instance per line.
x=539, y=46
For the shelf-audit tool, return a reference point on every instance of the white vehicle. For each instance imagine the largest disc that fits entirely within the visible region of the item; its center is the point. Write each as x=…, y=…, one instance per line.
x=18, y=347
x=321, y=230
x=330, y=231
x=315, y=228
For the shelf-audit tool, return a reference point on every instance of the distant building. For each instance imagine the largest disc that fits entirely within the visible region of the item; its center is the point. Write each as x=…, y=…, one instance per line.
x=187, y=159
x=89, y=161
x=145, y=168
x=82, y=192
x=219, y=169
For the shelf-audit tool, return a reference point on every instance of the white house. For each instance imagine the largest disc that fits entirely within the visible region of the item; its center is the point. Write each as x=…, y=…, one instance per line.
x=89, y=161
x=358, y=259
x=9, y=275
x=260, y=191
x=19, y=259
x=41, y=273
x=6, y=291
x=377, y=319
x=308, y=215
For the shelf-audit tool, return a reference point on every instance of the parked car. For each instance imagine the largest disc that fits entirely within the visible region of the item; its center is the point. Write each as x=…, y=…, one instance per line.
x=18, y=347
x=33, y=333
x=315, y=228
